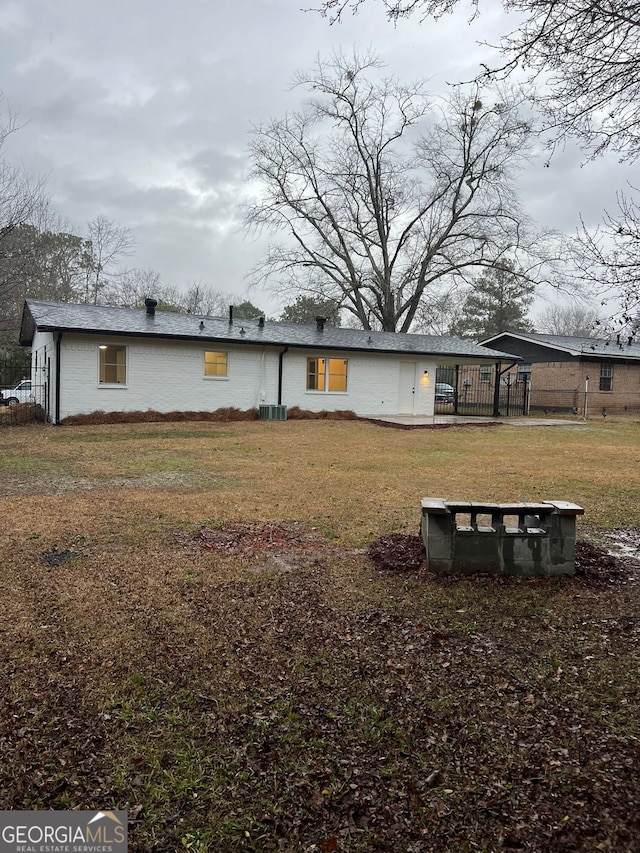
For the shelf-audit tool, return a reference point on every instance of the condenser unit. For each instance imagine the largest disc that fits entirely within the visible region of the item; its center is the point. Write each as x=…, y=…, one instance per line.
x=272, y=413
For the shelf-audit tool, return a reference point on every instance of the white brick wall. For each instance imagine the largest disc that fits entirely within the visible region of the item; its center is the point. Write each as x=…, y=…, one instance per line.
x=373, y=384
x=168, y=375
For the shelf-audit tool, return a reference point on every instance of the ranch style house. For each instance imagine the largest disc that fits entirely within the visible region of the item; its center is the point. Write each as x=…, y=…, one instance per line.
x=87, y=358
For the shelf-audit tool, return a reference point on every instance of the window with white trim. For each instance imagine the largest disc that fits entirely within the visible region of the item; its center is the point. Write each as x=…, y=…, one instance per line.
x=606, y=377
x=112, y=368
x=327, y=374
x=485, y=374
x=524, y=373
x=216, y=364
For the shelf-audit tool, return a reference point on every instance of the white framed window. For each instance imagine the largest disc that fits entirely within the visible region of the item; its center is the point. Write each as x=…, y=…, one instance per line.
x=216, y=364
x=485, y=374
x=524, y=373
x=327, y=374
x=606, y=377
x=112, y=364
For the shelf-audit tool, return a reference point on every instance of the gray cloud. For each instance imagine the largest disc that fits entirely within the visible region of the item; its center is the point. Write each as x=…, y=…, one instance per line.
x=140, y=111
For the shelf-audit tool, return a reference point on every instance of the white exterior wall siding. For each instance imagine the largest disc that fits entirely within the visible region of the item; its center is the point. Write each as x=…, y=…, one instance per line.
x=163, y=376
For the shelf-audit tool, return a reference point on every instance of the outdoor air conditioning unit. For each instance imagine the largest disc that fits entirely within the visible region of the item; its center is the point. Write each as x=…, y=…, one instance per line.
x=272, y=413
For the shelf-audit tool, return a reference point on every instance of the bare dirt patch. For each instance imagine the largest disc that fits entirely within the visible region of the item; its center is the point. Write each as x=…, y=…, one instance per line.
x=239, y=537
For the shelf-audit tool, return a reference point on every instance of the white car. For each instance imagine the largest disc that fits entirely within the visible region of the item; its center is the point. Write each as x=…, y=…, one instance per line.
x=22, y=393
x=445, y=393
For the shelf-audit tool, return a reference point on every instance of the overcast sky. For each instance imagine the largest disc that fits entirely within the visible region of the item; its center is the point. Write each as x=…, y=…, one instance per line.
x=139, y=110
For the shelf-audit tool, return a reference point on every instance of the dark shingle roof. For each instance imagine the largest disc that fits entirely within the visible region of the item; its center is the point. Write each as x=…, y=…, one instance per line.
x=578, y=346
x=98, y=319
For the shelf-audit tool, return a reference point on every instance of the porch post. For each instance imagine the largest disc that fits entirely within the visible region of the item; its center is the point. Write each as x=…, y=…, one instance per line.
x=496, y=392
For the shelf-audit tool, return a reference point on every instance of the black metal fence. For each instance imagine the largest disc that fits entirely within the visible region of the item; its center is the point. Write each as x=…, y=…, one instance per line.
x=482, y=390
x=14, y=368
x=22, y=398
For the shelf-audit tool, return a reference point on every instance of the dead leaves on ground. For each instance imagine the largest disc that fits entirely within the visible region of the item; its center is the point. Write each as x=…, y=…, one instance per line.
x=496, y=720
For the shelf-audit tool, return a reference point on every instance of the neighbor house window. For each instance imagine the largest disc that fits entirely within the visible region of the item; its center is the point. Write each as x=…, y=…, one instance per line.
x=326, y=374
x=524, y=373
x=113, y=365
x=606, y=377
x=485, y=374
x=216, y=363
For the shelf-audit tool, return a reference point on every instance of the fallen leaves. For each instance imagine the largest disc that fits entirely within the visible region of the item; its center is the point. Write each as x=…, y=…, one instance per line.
x=397, y=552
x=290, y=712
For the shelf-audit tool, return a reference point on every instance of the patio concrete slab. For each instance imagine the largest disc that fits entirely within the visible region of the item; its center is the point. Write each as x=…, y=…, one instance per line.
x=460, y=420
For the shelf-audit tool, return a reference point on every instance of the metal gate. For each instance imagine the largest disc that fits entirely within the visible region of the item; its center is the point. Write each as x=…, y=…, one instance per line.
x=23, y=379
x=481, y=390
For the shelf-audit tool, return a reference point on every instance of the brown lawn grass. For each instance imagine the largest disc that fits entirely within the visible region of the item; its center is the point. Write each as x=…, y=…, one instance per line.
x=262, y=686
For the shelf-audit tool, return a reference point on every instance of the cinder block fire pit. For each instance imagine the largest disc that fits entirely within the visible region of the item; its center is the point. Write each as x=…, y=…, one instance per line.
x=522, y=539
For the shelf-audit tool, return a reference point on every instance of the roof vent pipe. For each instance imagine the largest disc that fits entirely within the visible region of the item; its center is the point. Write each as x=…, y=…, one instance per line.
x=630, y=341
x=261, y=322
x=617, y=339
x=320, y=321
x=230, y=315
x=150, y=305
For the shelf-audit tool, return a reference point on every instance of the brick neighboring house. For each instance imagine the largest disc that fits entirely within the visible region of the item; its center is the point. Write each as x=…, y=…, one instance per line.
x=569, y=374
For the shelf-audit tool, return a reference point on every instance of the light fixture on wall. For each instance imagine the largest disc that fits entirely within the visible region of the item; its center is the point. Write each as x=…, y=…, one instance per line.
x=102, y=346
x=426, y=374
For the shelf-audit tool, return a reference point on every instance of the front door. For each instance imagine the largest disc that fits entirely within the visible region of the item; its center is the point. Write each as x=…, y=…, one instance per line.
x=407, y=391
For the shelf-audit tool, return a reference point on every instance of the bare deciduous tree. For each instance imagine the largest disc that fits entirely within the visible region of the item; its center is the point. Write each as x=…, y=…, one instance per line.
x=107, y=243
x=588, y=53
x=23, y=202
x=201, y=298
x=131, y=287
x=376, y=210
x=608, y=259
x=574, y=319
x=442, y=311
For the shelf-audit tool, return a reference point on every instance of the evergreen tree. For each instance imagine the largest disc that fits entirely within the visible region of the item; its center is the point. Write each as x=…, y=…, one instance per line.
x=247, y=311
x=305, y=310
x=498, y=302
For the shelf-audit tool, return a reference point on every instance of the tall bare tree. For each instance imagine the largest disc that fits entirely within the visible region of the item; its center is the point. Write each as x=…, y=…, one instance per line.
x=379, y=194
x=131, y=287
x=23, y=202
x=201, y=298
x=442, y=311
x=586, y=54
x=608, y=259
x=107, y=243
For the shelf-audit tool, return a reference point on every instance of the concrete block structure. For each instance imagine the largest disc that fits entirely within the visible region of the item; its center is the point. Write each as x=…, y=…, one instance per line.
x=520, y=539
